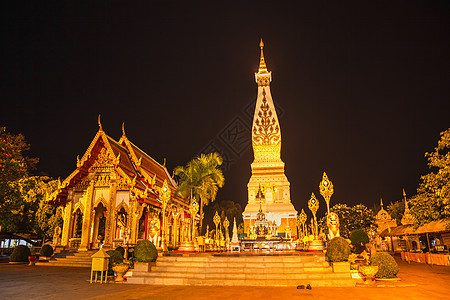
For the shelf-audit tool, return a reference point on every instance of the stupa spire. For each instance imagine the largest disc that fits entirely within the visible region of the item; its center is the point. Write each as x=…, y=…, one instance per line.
x=381, y=203
x=262, y=61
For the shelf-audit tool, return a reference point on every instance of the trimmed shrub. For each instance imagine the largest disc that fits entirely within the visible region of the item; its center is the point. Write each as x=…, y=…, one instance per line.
x=145, y=251
x=338, y=249
x=46, y=250
x=20, y=254
x=359, y=236
x=121, y=250
x=115, y=258
x=387, y=266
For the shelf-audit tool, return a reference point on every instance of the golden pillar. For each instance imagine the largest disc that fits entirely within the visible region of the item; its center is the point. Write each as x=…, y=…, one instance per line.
x=110, y=215
x=164, y=196
x=87, y=218
x=216, y=220
x=134, y=216
x=67, y=223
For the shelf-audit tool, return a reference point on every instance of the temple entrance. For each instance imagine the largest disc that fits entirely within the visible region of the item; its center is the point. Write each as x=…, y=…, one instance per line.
x=142, y=229
x=77, y=224
x=98, y=230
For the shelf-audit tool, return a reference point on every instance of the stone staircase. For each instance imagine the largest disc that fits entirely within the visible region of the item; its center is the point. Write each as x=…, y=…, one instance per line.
x=70, y=258
x=242, y=270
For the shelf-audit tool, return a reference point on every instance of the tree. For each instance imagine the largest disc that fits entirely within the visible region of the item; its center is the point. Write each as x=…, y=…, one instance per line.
x=432, y=201
x=201, y=178
x=25, y=209
x=351, y=218
x=225, y=208
x=396, y=210
x=13, y=164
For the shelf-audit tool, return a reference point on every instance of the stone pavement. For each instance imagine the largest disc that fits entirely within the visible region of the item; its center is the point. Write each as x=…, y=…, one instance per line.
x=418, y=281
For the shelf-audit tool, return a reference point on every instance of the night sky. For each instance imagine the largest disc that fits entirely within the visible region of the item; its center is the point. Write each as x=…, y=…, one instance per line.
x=362, y=91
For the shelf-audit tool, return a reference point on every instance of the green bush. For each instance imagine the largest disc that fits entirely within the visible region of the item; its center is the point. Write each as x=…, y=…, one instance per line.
x=115, y=258
x=145, y=251
x=46, y=250
x=359, y=236
x=387, y=266
x=121, y=250
x=20, y=254
x=338, y=249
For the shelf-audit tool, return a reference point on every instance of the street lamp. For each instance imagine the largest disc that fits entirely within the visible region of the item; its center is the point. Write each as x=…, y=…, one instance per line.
x=313, y=205
x=326, y=190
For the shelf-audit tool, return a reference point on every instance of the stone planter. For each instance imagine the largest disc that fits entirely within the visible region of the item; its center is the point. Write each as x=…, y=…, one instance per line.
x=32, y=260
x=369, y=274
x=341, y=267
x=120, y=271
x=143, y=267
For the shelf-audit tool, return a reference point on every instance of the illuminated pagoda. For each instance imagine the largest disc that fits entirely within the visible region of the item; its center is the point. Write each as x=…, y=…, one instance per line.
x=115, y=196
x=267, y=167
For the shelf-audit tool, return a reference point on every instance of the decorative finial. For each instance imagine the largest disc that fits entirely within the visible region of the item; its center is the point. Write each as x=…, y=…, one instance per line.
x=381, y=202
x=404, y=194
x=123, y=129
x=164, y=164
x=99, y=123
x=262, y=62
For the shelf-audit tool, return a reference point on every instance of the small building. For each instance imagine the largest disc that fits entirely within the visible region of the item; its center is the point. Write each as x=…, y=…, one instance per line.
x=113, y=198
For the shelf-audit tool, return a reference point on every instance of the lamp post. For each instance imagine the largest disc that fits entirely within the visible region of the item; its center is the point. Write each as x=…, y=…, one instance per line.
x=326, y=190
x=302, y=219
x=164, y=196
x=216, y=220
x=313, y=205
x=226, y=223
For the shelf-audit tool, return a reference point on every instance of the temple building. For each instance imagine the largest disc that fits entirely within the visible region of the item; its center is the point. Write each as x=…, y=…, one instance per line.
x=267, y=167
x=114, y=197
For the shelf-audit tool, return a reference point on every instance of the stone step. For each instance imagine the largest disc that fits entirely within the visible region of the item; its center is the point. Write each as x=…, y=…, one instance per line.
x=221, y=264
x=266, y=276
x=333, y=282
x=246, y=270
x=65, y=264
x=243, y=259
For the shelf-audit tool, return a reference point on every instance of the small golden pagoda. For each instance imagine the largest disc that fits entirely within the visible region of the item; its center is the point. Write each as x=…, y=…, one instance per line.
x=267, y=167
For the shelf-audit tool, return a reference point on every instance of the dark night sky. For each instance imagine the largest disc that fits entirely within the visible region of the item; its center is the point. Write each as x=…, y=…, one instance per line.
x=362, y=90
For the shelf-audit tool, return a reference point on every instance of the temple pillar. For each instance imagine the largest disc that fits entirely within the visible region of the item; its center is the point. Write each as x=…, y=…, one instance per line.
x=67, y=223
x=110, y=215
x=134, y=215
x=87, y=217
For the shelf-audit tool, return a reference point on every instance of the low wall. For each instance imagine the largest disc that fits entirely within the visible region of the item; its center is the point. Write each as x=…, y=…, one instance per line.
x=429, y=258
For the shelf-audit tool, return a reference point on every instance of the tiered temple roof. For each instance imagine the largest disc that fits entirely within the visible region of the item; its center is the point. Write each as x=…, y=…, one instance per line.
x=140, y=172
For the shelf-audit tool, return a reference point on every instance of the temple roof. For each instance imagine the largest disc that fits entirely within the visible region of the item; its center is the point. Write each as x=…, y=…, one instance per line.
x=140, y=172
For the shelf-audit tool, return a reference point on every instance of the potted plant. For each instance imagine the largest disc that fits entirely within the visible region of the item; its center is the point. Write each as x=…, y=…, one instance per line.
x=45, y=253
x=120, y=270
x=145, y=255
x=359, y=240
x=115, y=258
x=338, y=251
x=20, y=255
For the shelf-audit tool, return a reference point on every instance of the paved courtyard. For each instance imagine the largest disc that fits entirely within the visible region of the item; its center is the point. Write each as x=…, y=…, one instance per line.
x=418, y=281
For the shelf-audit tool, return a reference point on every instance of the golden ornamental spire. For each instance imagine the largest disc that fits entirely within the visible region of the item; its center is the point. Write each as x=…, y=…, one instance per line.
x=381, y=202
x=262, y=62
x=99, y=123
x=263, y=76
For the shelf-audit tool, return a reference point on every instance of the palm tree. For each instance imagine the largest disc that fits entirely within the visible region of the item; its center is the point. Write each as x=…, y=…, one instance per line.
x=201, y=178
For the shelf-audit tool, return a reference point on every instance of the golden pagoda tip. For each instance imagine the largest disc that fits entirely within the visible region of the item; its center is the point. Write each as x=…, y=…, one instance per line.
x=261, y=44
x=123, y=129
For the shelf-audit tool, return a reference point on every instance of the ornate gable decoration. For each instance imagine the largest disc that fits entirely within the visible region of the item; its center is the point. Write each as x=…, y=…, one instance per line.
x=104, y=162
x=266, y=130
